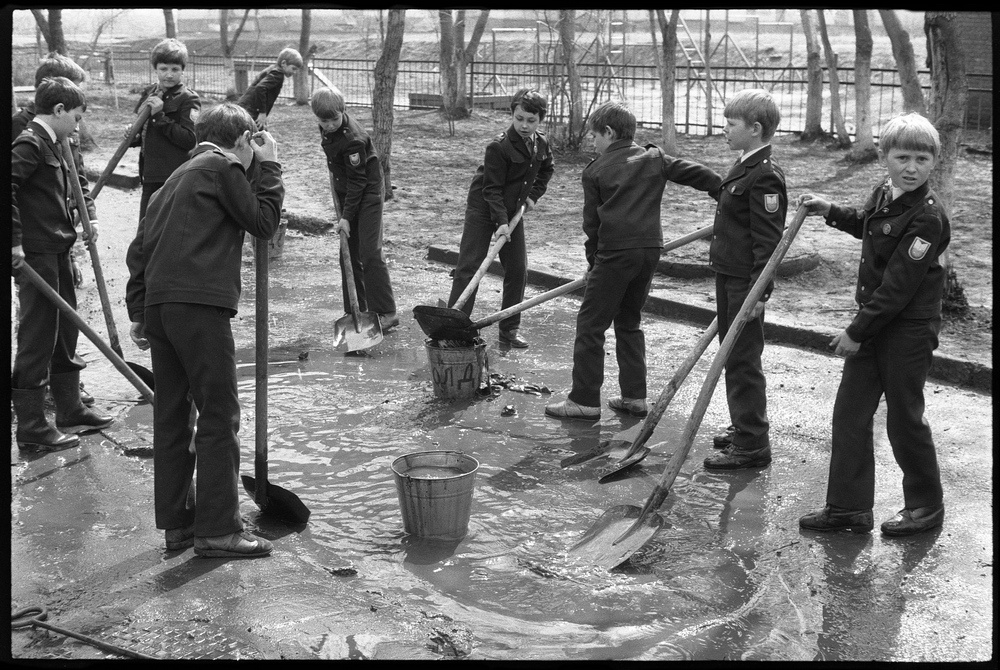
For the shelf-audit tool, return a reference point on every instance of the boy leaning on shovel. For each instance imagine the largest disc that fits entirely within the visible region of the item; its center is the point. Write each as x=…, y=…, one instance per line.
x=182, y=292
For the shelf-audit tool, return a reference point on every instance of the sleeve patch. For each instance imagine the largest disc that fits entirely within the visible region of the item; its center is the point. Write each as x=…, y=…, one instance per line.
x=919, y=248
x=771, y=202
x=355, y=159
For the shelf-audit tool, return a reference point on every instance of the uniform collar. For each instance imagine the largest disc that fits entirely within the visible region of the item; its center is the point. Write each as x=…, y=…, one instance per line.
x=51, y=134
x=753, y=157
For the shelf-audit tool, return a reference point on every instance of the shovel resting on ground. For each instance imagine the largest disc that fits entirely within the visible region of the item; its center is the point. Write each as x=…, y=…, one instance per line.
x=357, y=330
x=624, y=529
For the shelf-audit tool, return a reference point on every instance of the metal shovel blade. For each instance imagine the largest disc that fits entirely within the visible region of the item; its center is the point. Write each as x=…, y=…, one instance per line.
x=601, y=545
x=444, y=323
x=616, y=447
x=348, y=336
x=625, y=463
x=281, y=504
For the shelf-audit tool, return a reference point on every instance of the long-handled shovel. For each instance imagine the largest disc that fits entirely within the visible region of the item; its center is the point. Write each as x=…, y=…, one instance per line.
x=357, y=330
x=624, y=529
x=473, y=284
x=84, y=328
x=627, y=446
x=81, y=206
x=271, y=498
x=120, y=151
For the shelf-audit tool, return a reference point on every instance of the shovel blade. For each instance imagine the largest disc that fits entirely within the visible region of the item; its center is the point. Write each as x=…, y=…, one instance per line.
x=367, y=334
x=281, y=503
x=608, y=543
x=622, y=464
x=616, y=447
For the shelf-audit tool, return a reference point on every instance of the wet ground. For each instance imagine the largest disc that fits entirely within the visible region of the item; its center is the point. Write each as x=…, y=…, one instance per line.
x=730, y=576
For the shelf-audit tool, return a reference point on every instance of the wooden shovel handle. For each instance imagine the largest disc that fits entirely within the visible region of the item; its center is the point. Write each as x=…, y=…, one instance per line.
x=485, y=265
x=144, y=113
x=345, y=259
x=531, y=302
x=261, y=261
x=699, y=234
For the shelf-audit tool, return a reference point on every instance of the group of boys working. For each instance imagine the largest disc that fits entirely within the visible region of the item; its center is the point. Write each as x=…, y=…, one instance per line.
x=185, y=280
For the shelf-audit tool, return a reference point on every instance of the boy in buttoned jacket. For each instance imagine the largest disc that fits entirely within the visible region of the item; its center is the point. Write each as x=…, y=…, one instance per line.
x=260, y=96
x=749, y=221
x=889, y=344
x=515, y=172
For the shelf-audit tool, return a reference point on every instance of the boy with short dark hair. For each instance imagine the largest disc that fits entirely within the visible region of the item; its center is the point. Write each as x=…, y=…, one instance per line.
x=889, y=345
x=515, y=172
x=260, y=96
x=749, y=222
x=54, y=65
x=359, y=186
x=183, y=290
x=622, y=194
x=168, y=136
x=43, y=231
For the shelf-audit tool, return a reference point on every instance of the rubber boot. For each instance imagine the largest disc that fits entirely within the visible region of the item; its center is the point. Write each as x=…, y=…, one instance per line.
x=71, y=414
x=34, y=430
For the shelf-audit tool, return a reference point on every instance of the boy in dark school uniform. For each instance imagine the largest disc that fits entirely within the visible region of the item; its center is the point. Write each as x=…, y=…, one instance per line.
x=359, y=187
x=749, y=222
x=888, y=346
x=260, y=96
x=168, y=136
x=43, y=231
x=622, y=193
x=183, y=290
x=515, y=172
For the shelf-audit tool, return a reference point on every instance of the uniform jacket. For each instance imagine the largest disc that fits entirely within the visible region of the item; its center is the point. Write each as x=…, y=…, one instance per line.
x=189, y=246
x=261, y=94
x=509, y=175
x=622, y=192
x=168, y=136
x=20, y=120
x=901, y=242
x=750, y=218
x=42, y=201
x=354, y=164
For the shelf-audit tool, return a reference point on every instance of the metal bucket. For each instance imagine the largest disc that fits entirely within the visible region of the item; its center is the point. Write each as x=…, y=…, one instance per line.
x=456, y=372
x=435, y=493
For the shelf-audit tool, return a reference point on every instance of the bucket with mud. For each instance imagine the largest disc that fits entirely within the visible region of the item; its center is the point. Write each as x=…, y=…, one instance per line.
x=457, y=372
x=435, y=493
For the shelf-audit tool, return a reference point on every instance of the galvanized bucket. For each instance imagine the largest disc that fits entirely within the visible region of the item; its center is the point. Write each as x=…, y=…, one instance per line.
x=435, y=493
x=457, y=372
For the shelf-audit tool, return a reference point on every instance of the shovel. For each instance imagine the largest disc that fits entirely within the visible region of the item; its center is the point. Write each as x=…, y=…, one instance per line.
x=91, y=334
x=357, y=330
x=120, y=151
x=272, y=499
x=81, y=206
x=627, y=445
x=470, y=288
x=624, y=529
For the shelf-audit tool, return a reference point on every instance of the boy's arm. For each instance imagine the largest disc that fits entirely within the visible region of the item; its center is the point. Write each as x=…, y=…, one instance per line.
x=849, y=219
x=591, y=218
x=271, y=82
x=135, y=287
x=180, y=133
x=768, y=207
x=691, y=173
x=24, y=159
x=355, y=162
x=494, y=179
x=258, y=213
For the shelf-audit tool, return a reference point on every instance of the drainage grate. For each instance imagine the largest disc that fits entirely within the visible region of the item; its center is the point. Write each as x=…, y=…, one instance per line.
x=189, y=640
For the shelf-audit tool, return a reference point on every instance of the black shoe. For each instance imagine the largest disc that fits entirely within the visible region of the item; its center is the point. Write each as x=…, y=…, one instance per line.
x=723, y=440
x=739, y=459
x=912, y=521
x=837, y=518
x=512, y=339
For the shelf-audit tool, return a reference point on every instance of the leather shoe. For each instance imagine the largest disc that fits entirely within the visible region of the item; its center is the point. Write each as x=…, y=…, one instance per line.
x=235, y=545
x=567, y=409
x=723, y=440
x=388, y=321
x=738, y=459
x=179, y=538
x=912, y=521
x=512, y=339
x=832, y=517
x=633, y=406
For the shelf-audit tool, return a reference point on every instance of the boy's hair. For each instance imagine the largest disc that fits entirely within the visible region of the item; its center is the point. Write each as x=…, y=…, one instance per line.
x=616, y=116
x=327, y=101
x=223, y=124
x=290, y=56
x=57, y=65
x=909, y=131
x=169, y=51
x=53, y=90
x=531, y=101
x=755, y=105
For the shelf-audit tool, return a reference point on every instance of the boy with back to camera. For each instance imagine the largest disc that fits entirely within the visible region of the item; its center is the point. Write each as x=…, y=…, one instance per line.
x=515, y=172
x=889, y=345
x=622, y=194
x=43, y=231
x=183, y=290
x=748, y=225
x=359, y=186
x=260, y=96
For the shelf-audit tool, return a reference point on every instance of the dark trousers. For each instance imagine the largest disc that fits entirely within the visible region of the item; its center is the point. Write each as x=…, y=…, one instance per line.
x=46, y=340
x=194, y=358
x=476, y=241
x=895, y=364
x=371, y=274
x=616, y=291
x=746, y=388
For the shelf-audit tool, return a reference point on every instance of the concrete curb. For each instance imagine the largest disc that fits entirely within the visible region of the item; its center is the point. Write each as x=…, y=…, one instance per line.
x=967, y=374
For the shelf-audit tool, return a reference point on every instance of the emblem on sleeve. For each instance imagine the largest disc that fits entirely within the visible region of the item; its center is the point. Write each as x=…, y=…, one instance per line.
x=771, y=202
x=355, y=159
x=919, y=248
x=194, y=114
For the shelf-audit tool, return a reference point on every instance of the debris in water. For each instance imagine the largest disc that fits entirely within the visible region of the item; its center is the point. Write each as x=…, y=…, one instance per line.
x=346, y=571
x=508, y=410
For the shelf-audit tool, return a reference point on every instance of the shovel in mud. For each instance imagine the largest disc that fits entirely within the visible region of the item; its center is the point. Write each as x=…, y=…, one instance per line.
x=624, y=529
x=270, y=498
x=357, y=330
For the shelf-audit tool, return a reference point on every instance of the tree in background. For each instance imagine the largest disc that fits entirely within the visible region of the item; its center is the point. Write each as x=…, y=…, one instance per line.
x=51, y=29
x=667, y=71
x=168, y=18
x=300, y=82
x=843, y=138
x=575, y=129
x=455, y=57
x=229, y=46
x=814, y=81
x=386, y=69
x=864, y=145
x=906, y=62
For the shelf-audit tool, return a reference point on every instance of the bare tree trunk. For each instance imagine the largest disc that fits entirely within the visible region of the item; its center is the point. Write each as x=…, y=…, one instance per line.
x=454, y=59
x=843, y=139
x=300, y=82
x=864, y=144
x=229, y=46
x=168, y=18
x=666, y=67
x=575, y=129
x=446, y=61
x=386, y=69
x=906, y=65
x=51, y=29
x=814, y=89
